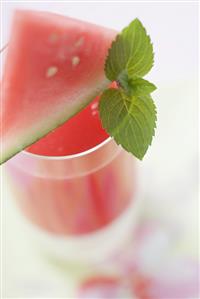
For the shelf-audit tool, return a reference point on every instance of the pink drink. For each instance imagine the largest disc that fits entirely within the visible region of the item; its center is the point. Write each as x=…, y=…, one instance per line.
x=76, y=180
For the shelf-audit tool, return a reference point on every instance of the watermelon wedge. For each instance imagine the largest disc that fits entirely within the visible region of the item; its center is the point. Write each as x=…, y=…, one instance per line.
x=54, y=67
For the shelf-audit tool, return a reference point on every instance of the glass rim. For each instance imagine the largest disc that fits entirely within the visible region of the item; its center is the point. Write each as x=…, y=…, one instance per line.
x=69, y=157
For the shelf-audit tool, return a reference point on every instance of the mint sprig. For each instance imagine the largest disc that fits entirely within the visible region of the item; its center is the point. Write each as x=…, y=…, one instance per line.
x=128, y=113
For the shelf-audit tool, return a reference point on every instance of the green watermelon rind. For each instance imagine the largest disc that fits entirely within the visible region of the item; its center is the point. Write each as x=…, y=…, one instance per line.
x=15, y=149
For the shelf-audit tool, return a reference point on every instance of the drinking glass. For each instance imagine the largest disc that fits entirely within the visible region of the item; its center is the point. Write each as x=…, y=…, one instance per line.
x=76, y=202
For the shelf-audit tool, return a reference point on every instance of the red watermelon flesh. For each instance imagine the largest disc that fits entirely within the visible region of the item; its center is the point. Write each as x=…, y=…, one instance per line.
x=54, y=67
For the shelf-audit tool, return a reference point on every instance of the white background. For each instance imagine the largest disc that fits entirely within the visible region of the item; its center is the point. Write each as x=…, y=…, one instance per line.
x=169, y=172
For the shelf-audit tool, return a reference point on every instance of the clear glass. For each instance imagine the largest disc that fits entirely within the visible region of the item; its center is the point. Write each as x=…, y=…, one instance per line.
x=73, y=195
x=81, y=207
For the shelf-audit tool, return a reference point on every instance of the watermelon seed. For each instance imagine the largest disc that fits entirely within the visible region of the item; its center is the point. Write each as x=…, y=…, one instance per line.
x=51, y=71
x=75, y=60
x=79, y=42
x=94, y=112
x=94, y=106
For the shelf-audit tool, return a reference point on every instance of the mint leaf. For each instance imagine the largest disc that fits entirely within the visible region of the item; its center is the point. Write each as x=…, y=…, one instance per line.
x=131, y=120
x=140, y=86
x=136, y=86
x=131, y=52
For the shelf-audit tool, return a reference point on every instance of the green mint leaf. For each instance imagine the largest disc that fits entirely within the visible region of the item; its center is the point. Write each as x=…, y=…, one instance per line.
x=131, y=52
x=140, y=86
x=131, y=120
x=137, y=86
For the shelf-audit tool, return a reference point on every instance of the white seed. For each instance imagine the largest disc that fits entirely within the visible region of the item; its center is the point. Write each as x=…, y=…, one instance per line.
x=79, y=42
x=94, y=112
x=75, y=60
x=51, y=71
x=94, y=106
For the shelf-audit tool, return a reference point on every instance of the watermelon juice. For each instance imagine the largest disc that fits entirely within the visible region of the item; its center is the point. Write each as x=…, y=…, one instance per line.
x=75, y=180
